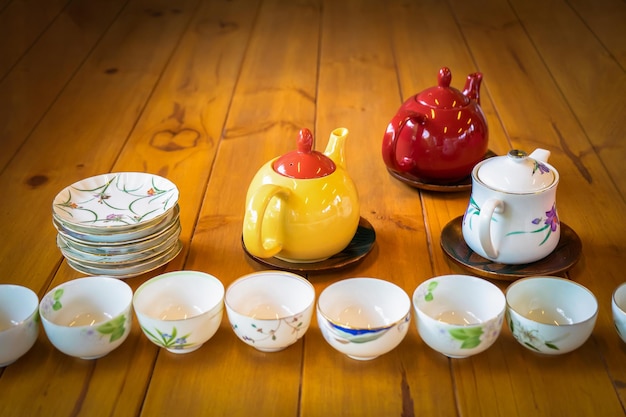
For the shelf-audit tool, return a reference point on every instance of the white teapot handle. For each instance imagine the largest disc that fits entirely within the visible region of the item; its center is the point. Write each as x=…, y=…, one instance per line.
x=491, y=206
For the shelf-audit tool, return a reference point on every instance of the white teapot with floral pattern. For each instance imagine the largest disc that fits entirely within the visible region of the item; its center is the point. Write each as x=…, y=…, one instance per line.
x=511, y=217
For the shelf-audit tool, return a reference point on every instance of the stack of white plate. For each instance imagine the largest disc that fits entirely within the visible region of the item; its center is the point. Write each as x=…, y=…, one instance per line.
x=120, y=224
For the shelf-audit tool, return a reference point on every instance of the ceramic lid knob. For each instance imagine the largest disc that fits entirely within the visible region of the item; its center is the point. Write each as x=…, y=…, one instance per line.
x=516, y=173
x=304, y=163
x=442, y=96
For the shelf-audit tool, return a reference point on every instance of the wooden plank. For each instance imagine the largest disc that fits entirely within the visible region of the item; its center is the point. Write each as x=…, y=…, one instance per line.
x=605, y=19
x=85, y=131
x=420, y=51
x=358, y=89
x=519, y=72
x=177, y=137
x=273, y=98
x=21, y=23
x=33, y=84
x=4, y=4
x=593, y=86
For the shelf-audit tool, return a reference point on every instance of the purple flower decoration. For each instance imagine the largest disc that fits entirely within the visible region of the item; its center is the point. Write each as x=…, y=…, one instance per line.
x=114, y=217
x=101, y=197
x=550, y=224
x=543, y=169
x=552, y=219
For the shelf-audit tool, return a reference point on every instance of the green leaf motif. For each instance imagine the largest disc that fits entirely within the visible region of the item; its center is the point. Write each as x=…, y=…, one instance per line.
x=56, y=305
x=166, y=340
x=114, y=328
x=469, y=337
x=470, y=343
x=430, y=288
x=531, y=346
x=466, y=332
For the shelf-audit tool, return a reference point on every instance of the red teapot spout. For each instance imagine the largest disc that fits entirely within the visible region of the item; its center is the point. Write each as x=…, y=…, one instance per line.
x=472, y=86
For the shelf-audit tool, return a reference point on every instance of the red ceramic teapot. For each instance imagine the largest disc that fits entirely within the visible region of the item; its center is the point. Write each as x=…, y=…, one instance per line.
x=439, y=134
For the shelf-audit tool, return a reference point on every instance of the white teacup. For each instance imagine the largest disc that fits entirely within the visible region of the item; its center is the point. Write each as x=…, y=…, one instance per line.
x=511, y=217
x=458, y=315
x=363, y=318
x=19, y=324
x=618, y=304
x=550, y=315
x=87, y=317
x=270, y=310
x=180, y=310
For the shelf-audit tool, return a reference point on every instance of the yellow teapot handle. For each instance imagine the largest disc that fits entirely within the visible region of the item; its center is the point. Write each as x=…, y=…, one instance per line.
x=263, y=236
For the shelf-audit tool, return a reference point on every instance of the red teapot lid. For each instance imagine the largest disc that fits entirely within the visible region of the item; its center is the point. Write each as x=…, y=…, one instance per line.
x=442, y=96
x=304, y=162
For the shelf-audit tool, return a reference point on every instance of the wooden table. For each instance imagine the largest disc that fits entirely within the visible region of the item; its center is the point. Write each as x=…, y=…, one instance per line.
x=203, y=92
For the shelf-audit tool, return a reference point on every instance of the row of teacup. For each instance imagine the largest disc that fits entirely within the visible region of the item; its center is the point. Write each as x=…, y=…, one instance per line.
x=456, y=315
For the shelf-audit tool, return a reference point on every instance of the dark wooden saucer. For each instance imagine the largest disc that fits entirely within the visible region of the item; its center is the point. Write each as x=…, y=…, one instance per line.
x=562, y=258
x=360, y=245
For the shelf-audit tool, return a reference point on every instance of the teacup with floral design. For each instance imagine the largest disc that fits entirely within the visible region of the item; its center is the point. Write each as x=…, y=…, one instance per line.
x=618, y=307
x=550, y=315
x=458, y=315
x=87, y=317
x=181, y=310
x=19, y=322
x=270, y=310
x=364, y=318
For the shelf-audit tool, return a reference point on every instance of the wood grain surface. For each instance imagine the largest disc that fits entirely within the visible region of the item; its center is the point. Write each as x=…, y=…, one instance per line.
x=204, y=92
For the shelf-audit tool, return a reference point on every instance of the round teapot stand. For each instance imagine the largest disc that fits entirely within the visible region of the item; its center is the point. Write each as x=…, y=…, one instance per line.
x=562, y=258
x=360, y=246
x=462, y=185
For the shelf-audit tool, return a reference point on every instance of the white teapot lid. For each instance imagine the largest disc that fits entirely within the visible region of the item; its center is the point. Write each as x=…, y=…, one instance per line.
x=517, y=172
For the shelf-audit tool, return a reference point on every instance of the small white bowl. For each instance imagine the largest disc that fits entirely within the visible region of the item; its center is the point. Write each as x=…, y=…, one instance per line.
x=363, y=318
x=19, y=324
x=181, y=310
x=618, y=305
x=458, y=315
x=550, y=315
x=270, y=310
x=87, y=317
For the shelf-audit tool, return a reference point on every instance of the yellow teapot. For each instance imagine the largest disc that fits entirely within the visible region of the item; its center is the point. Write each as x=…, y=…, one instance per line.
x=302, y=206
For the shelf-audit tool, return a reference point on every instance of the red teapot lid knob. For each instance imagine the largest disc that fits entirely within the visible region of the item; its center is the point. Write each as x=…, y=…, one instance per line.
x=445, y=77
x=442, y=96
x=305, y=162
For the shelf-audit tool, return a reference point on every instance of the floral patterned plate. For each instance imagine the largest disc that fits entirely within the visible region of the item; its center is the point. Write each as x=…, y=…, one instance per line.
x=361, y=244
x=121, y=248
x=92, y=260
x=116, y=201
x=562, y=258
x=133, y=270
x=120, y=237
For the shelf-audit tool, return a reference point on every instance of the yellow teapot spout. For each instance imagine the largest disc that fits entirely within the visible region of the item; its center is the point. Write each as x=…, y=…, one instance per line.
x=335, y=149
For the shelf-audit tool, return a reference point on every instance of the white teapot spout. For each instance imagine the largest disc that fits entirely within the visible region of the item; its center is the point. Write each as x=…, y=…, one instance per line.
x=540, y=155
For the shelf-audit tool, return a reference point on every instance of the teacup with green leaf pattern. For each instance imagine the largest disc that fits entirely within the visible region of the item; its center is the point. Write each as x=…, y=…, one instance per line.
x=87, y=317
x=180, y=310
x=458, y=315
